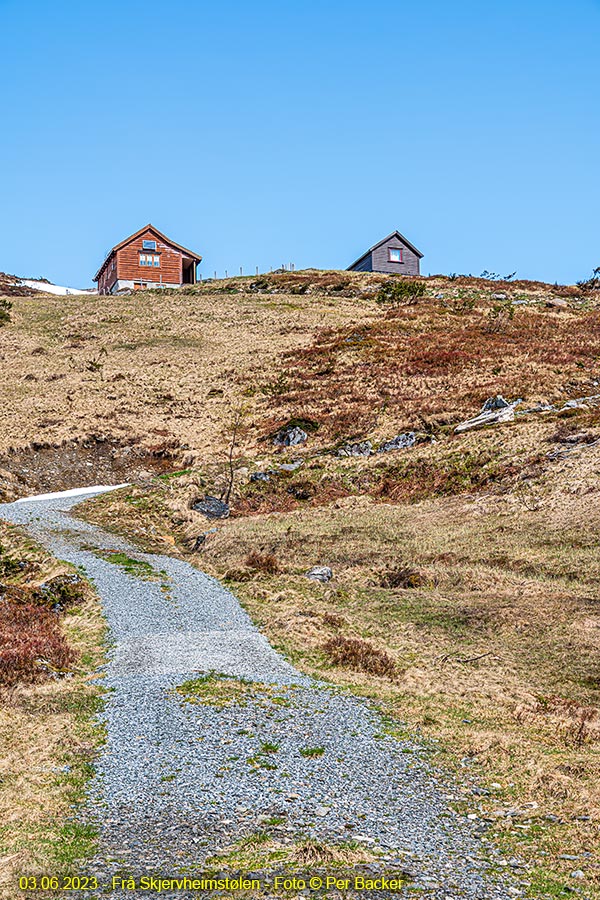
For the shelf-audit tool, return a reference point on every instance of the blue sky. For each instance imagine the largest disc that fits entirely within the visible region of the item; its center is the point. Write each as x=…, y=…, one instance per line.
x=266, y=133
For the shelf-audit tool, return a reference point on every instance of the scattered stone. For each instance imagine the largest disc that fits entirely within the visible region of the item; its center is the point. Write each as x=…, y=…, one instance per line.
x=290, y=436
x=212, y=508
x=400, y=442
x=364, y=448
x=578, y=873
x=290, y=467
x=582, y=402
x=495, y=411
x=556, y=303
x=321, y=811
x=499, y=296
x=260, y=476
x=568, y=856
x=538, y=408
x=320, y=573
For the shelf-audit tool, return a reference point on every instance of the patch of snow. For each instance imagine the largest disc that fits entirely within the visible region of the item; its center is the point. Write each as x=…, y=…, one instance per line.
x=74, y=492
x=54, y=288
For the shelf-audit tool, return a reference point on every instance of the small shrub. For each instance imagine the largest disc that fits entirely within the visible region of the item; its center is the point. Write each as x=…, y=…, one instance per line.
x=262, y=562
x=360, y=655
x=592, y=283
x=8, y=565
x=31, y=644
x=62, y=591
x=5, y=308
x=400, y=293
x=501, y=313
x=403, y=577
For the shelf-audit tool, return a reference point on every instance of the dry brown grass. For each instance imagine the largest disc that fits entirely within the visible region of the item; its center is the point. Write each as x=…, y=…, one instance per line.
x=47, y=739
x=495, y=644
x=163, y=365
x=163, y=370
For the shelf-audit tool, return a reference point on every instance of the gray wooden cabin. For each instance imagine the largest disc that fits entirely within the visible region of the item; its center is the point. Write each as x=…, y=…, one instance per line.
x=393, y=255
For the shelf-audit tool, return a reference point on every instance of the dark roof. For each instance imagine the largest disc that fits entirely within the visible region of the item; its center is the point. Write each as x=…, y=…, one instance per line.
x=132, y=237
x=384, y=241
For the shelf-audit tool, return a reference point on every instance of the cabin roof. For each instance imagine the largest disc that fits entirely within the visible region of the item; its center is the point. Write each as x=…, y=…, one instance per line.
x=132, y=237
x=394, y=234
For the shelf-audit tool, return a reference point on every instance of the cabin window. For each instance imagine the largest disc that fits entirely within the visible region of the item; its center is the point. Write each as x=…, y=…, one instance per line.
x=395, y=254
x=148, y=245
x=149, y=259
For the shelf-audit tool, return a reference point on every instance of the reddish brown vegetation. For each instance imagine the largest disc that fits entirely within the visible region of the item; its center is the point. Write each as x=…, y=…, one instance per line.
x=262, y=562
x=31, y=643
x=425, y=359
x=360, y=655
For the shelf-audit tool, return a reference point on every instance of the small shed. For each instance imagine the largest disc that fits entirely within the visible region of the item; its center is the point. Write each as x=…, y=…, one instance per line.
x=146, y=259
x=393, y=255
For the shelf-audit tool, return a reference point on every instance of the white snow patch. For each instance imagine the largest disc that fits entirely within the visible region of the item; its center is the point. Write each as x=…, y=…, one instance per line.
x=74, y=492
x=54, y=288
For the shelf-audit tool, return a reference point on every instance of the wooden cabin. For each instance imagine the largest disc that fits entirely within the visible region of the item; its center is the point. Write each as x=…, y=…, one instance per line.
x=394, y=255
x=146, y=259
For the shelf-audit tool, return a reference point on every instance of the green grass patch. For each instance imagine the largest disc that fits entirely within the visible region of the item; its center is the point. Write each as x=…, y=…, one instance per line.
x=139, y=568
x=312, y=752
x=221, y=691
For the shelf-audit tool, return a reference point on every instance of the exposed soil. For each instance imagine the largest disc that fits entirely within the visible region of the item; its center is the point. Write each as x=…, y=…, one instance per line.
x=93, y=460
x=10, y=286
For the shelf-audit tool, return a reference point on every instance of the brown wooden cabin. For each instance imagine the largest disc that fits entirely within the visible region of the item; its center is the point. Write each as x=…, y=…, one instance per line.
x=146, y=259
x=394, y=254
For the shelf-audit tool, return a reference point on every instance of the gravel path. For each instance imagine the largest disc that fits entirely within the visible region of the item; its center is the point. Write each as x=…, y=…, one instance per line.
x=177, y=781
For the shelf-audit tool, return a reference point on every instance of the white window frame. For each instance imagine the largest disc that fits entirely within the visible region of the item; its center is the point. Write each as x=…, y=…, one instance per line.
x=398, y=251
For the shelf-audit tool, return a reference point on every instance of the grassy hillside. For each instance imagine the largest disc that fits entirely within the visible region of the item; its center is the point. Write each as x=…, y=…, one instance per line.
x=465, y=591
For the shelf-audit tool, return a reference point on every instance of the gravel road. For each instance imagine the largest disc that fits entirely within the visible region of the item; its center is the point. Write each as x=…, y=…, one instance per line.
x=177, y=781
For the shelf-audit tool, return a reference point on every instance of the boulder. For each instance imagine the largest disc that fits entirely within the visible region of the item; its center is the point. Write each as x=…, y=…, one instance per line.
x=212, y=508
x=260, y=476
x=495, y=411
x=497, y=402
x=538, y=408
x=320, y=573
x=400, y=442
x=364, y=448
x=582, y=402
x=290, y=467
x=290, y=436
x=556, y=303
